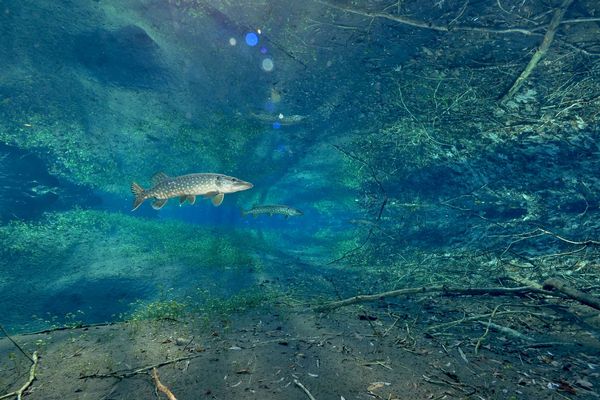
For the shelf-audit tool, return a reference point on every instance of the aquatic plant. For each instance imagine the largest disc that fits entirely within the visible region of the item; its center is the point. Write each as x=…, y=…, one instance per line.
x=58, y=236
x=160, y=309
x=202, y=304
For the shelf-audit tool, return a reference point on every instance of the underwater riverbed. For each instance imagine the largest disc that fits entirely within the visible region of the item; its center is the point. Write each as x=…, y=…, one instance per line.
x=328, y=199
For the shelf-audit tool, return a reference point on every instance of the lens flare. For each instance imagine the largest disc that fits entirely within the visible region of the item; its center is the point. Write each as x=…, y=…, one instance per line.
x=267, y=65
x=251, y=39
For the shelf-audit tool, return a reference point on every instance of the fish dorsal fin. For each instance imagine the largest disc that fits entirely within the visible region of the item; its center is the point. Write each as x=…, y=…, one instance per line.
x=218, y=199
x=159, y=177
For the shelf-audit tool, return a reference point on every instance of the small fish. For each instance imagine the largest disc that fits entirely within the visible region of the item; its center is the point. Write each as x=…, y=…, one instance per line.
x=187, y=187
x=37, y=189
x=281, y=118
x=286, y=211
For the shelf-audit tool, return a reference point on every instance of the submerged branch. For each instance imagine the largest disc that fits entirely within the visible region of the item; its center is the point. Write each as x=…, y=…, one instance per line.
x=32, y=370
x=142, y=370
x=560, y=286
x=541, y=51
x=428, y=24
x=381, y=207
x=444, y=290
x=552, y=287
x=160, y=387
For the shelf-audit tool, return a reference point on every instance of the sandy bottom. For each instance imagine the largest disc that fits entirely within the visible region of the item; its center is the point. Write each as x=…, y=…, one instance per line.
x=378, y=351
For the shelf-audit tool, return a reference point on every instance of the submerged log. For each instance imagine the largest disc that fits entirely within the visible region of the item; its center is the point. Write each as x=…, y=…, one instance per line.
x=561, y=286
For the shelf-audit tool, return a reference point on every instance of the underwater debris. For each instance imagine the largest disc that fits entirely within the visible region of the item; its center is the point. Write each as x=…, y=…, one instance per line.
x=272, y=209
x=187, y=187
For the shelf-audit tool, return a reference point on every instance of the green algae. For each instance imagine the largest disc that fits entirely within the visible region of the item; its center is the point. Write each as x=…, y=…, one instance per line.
x=58, y=236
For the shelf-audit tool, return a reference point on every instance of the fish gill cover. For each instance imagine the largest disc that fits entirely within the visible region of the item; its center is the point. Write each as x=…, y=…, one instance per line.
x=439, y=158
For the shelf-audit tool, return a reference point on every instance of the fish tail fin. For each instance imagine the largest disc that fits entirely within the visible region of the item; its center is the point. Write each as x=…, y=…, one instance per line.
x=140, y=195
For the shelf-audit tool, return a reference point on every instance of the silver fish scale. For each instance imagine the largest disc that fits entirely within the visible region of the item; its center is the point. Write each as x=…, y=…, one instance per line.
x=193, y=184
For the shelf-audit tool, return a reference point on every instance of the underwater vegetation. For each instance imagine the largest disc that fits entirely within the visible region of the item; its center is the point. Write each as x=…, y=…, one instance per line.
x=424, y=177
x=74, y=252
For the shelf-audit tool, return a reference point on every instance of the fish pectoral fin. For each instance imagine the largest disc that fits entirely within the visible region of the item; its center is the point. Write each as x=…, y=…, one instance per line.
x=218, y=199
x=159, y=177
x=190, y=199
x=159, y=203
x=210, y=195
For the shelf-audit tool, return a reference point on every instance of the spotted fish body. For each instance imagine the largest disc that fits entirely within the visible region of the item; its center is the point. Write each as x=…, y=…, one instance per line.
x=286, y=211
x=187, y=187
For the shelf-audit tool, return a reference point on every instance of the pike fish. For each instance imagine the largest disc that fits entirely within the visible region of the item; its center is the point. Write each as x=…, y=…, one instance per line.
x=187, y=187
x=286, y=211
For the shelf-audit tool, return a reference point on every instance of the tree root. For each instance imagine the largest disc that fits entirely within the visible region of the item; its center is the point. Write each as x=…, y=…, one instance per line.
x=160, y=387
x=19, y=393
x=541, y=51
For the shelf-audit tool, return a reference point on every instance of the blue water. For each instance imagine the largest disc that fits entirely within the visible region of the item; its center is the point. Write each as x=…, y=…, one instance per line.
x=391, y=140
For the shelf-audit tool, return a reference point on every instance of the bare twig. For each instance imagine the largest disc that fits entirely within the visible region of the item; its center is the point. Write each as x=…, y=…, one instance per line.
x=129, y=373
x=579, y=243
x=15, y=343
x=19, y=393
x=381, y=207
x=478, y=317
x=160, y=387
x=444, y=290
x=301, y=386
x=505, y=330
x=487, y=329
x=427, y=24
x=541, y=51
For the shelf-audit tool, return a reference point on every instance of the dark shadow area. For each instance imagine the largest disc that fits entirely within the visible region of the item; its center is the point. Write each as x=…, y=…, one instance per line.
x=124, y=57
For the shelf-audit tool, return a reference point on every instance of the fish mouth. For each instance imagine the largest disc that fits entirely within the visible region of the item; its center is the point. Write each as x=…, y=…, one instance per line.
x=245, y=185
